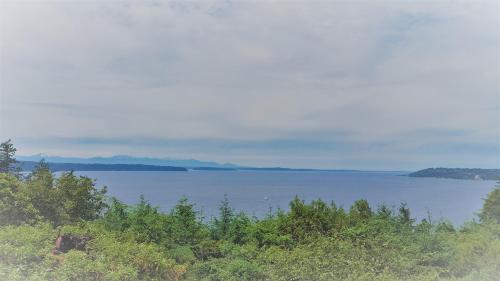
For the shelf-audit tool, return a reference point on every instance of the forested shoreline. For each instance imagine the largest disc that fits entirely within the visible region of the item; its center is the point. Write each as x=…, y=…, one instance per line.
x=458, y=173
x=30, y=166
x=312, y=241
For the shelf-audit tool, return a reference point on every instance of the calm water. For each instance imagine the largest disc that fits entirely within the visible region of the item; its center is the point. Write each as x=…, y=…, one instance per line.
x=255, y=192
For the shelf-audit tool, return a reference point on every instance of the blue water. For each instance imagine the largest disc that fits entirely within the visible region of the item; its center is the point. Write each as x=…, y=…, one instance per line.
x=256, y=191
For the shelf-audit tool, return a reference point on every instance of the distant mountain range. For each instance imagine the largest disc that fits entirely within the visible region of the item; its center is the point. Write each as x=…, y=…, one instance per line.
x=458, y=173
x=129, y=160
x=130, y=163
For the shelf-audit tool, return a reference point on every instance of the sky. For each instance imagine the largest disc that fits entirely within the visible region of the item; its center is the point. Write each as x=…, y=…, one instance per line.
x=383, y=85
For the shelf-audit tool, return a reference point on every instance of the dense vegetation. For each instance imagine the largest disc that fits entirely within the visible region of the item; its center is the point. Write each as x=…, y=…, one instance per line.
x=458, y=173
x=314, y=241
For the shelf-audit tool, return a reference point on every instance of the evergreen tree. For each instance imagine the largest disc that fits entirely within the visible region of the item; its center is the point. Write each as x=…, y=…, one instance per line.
x=360, y=211
x=43, y=195
x=186, y=228
x=117, y=215
x=144, y=220
x=404, y=214
x=8, y=164
x=15, y=205
x=81, y=199
x=491, y=206
x=223, y=223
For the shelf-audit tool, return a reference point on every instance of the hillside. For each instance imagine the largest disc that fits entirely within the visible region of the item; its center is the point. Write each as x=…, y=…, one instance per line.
x=458, y=173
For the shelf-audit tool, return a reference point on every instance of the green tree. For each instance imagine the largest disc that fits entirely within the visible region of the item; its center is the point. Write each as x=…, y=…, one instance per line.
x=44, y=196
x=360, y=211
x=272, y=231
x=15, y=205
x=117, y=216
x=145, y=222
x=8, y=164
x=67, y=199
x=404, y=214
x=80, y=198
x=311, y=219
x=186, y=228
x=223, y=223
x=239, y=228
x=384, y=212
x=491, y=206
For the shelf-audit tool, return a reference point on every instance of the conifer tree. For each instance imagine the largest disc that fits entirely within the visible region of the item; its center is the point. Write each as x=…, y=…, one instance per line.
x=8, y=164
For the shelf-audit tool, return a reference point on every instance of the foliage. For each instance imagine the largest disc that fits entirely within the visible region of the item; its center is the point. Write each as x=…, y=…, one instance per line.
x=25, y=255
x=15, y=204
x=491, y=207
x=140, y=243
x=227, y=269
x=146, y=223
x=66, y=199
x=186, y=226
x=80, y=199
x=230, y=226
x=222, y=225
x=8, y=164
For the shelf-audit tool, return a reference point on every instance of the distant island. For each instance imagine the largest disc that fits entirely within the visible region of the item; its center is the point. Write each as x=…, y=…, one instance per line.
x=29, y=166
x=458, y=173
x=125, y=159
x=213, y=169
x=57, y=167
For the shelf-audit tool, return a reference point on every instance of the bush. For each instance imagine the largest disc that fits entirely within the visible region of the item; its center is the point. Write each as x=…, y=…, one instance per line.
x=227, y=270
x=15, y=205
x=491, y=207
x=25, y=254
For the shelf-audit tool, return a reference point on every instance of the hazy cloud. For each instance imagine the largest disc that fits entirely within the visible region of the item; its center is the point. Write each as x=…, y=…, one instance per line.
x=323, y=83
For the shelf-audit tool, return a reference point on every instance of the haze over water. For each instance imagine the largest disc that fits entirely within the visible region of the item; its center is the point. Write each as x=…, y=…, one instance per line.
x=254, y=192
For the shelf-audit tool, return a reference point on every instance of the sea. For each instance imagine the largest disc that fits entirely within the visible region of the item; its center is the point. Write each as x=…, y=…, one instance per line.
x=259, y=193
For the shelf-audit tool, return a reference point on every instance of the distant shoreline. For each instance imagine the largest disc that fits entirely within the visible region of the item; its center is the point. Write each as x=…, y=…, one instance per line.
x=458, y=173
x=59, y=167
x=28, y=166
x=449, y=173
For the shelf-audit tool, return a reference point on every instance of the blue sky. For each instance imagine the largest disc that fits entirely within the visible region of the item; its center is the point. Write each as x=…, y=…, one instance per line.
x=323, y=84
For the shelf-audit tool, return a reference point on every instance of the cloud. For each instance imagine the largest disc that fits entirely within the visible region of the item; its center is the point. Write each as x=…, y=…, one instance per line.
x=397, y=153
x=255, y=72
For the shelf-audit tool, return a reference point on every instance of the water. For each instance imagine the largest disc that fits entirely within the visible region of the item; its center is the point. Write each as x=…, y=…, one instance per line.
x=256, y=191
